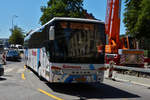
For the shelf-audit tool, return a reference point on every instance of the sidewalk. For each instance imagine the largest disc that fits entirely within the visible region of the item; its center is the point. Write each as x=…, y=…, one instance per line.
x=128, y=78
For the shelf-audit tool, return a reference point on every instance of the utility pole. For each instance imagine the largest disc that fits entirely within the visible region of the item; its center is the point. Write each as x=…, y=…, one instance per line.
x=14, y=16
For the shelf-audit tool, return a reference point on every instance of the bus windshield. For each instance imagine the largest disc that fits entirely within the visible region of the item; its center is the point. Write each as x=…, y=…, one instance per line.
x=77, y=42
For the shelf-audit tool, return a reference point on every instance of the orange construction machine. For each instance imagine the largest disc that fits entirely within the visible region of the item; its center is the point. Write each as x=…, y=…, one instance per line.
x=119, y=50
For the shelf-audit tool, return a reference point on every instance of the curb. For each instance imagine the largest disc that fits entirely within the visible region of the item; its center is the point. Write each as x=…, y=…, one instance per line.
x=131, y=79
x=146, y=85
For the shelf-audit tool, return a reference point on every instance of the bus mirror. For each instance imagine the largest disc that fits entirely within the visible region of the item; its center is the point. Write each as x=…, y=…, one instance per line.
x=52, y=33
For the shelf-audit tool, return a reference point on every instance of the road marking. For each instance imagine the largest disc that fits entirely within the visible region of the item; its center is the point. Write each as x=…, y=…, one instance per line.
x=23, y=77
x=8, y=70
x=20, y=70
x=25, y=67
x=50, y=95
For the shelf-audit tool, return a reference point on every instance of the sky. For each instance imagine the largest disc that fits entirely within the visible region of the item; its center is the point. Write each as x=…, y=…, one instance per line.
x=28, y=14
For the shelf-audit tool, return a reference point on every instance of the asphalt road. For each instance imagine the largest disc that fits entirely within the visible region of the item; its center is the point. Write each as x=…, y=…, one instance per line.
x=20, y=83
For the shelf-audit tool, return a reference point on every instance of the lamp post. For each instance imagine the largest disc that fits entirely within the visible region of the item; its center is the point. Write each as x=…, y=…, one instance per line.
x=14, y=16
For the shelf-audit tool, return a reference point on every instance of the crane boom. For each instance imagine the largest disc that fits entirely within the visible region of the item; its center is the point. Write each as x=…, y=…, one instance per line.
x=123, y=49
x=112, y=25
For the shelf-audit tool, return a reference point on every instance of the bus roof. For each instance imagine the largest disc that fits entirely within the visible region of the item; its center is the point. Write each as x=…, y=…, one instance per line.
x=67, y=19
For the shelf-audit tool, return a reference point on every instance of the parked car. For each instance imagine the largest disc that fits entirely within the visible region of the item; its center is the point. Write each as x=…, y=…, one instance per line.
x=13, y=55
x=1, y=48
x=20, y=49
x=1, y=70
x=17, y=47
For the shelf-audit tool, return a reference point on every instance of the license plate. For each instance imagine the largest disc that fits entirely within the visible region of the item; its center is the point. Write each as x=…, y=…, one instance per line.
x=82, y=79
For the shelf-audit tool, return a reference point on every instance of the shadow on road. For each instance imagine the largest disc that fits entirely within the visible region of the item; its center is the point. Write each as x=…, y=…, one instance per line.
x=89, y=91
x=14, y=60
x=2, y=79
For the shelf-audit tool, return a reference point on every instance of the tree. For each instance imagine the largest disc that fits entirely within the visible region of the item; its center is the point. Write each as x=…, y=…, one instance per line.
x=131, y=16
x=143, y=21
x=1, y=42
x=17, y=36
x=63, y=8
x=137, y=18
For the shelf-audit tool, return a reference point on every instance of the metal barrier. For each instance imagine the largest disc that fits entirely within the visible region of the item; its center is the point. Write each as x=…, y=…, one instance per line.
x=145, y=70
x=129, y=78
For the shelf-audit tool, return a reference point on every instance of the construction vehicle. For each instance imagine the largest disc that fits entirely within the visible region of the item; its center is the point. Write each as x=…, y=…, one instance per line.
x=120, y=51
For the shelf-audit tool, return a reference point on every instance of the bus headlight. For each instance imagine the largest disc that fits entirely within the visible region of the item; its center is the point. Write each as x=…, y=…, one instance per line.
x=56, y=70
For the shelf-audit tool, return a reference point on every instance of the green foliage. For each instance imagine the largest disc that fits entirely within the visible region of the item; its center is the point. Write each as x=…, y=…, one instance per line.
x=17, y=36
x=147, y=53
x=143, y=22
x=62, y=8
x=1, y=42
x=144, y=43
x=131, y=16
x=137, y=18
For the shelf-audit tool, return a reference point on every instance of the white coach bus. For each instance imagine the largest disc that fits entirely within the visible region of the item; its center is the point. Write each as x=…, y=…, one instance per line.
x=67, y=50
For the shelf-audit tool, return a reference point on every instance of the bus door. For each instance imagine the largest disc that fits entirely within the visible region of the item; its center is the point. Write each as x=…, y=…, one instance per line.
x=46, y=66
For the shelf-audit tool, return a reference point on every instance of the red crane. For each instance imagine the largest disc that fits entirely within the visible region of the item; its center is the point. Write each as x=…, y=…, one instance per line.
x=124, y=48
x=112, y=25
